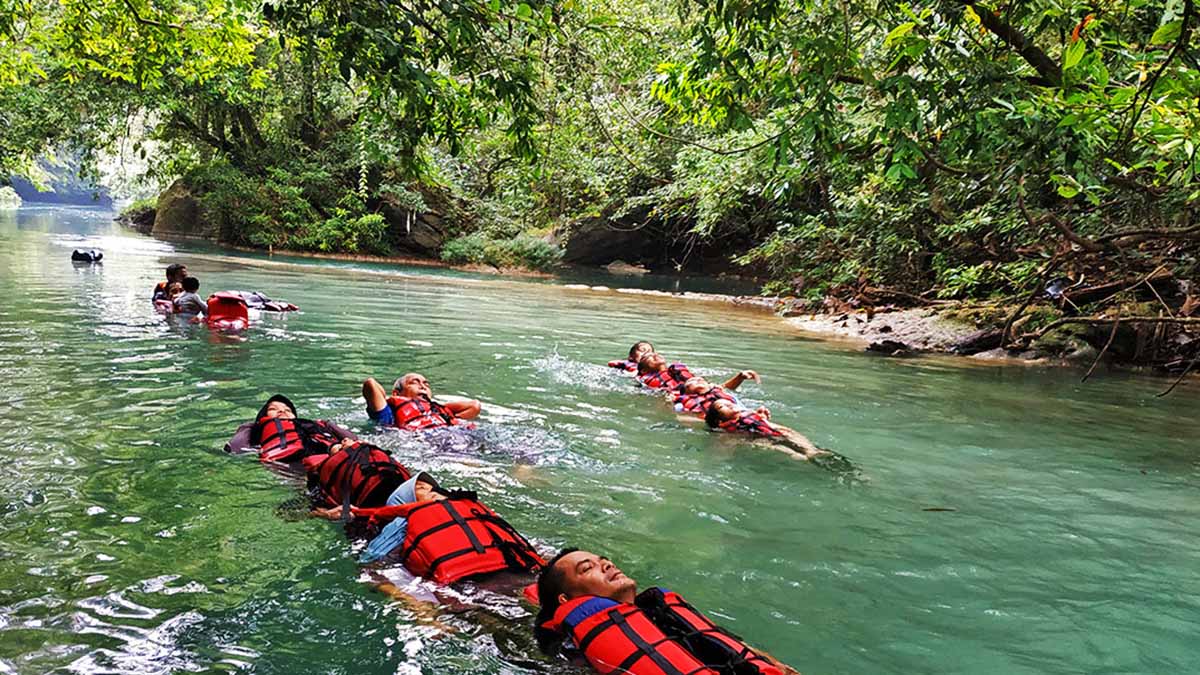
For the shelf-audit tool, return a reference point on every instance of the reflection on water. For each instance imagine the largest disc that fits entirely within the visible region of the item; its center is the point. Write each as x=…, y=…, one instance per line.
x=1061, y=542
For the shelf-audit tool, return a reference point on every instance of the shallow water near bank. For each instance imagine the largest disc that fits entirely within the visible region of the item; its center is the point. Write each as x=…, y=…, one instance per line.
x=132, y=544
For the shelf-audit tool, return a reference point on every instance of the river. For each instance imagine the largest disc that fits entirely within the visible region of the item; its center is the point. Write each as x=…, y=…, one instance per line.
x=133, y=544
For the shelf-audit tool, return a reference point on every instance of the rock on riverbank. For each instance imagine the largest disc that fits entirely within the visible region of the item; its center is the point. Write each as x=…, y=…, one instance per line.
x=916, y=329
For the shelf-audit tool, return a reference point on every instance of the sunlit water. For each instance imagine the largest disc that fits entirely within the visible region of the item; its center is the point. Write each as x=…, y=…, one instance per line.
x=132, y=543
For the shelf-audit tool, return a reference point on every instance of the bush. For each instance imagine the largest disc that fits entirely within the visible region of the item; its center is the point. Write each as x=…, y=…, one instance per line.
x=138, y=207
x=520, y=251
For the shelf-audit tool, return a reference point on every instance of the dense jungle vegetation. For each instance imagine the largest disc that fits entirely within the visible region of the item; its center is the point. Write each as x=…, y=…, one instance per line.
x=868, y=151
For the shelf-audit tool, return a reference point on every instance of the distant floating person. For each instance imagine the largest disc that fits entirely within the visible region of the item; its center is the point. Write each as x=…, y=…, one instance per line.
x=88, y=256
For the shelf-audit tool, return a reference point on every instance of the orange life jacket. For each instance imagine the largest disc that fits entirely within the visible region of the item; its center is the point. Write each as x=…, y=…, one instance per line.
x=659, y=634
x=360, y=474
x=420, y=413
x=458, y=537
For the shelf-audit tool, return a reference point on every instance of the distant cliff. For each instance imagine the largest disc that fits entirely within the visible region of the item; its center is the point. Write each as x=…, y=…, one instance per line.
x=64, y=186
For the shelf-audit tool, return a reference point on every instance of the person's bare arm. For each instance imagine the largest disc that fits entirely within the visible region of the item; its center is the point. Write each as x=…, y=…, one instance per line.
x=787, y=670
x=426, y=612
x=737, y=380
x=374, y=393
x=462, y=407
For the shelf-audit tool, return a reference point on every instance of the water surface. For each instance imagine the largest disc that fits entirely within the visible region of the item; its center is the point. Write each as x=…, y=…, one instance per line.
x=131, y=543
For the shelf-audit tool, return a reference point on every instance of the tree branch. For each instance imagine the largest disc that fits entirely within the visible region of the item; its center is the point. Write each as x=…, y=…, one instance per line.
x=149, y=22
x=1011, y=36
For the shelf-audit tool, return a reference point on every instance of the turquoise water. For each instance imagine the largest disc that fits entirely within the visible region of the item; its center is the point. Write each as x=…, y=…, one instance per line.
x=131, y=543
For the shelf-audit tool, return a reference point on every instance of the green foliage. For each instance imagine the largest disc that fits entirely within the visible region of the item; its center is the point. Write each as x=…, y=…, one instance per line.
x=520, y=251
x=820, y=144
x=139, y=206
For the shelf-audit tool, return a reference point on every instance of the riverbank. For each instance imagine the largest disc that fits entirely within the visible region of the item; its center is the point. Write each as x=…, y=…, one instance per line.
x=966, y=329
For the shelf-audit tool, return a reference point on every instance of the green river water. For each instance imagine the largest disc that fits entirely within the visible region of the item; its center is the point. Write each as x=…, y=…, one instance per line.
x=133, y=544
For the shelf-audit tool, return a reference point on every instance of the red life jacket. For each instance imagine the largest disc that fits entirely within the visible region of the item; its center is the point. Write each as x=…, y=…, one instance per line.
x=659, y=634
x=291, y=440
x=750, y=423
x=700, y=403
x=227, y=308
x=459, y=537
x=420, y=413
x=672, y=378
x=359, y=474
x=279, y=440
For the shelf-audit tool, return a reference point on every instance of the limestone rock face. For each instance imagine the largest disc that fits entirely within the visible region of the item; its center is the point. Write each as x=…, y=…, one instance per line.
x=600, y=241
x=140, y=220
x=418, y=234
x=179, y=214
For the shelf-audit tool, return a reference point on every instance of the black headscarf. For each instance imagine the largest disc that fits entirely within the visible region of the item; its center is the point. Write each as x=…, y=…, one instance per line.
x=262, y=412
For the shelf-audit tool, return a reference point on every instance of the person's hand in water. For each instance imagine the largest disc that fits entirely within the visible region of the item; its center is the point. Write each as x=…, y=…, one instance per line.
x=764, y=411
x=750, y=375
x=328, y=513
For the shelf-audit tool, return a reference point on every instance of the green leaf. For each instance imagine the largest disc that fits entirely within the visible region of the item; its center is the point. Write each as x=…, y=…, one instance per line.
x=1168, y=32
x=1067, y=191
x=1073, y=54
x=524, y=11
x=899, y=32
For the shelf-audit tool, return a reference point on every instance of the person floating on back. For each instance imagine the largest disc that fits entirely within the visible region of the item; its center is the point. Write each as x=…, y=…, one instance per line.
x=444, y=535
x=353, y=474
x=175, y=274
x=411, y=406
x=636, y=352
x=727, y=416
x=697, y=393
x=590, y=610
x=281, y=436
x=655, y=373
x=189, y=302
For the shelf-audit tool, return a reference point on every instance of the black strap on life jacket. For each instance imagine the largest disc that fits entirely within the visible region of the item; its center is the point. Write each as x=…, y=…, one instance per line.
x=701, y=642
x=360, y=457
x=614, y=617
x=516, y=557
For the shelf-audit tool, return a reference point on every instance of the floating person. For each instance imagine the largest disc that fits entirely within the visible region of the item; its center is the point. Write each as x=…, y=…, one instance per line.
x=589, y=609
x=445, y=536
x=411, y=406
x=353, y=474
x=636, y=352
x=189, y=301
x=655, y=373
x=175, y=274
x=697, y=393
x=727, y=416
x=280, y=435
x=259, y=301
x=89, y=256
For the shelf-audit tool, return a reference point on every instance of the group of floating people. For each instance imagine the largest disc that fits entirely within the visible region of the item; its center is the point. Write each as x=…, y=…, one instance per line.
x=588, y=610
x=179, y=295
x=716, y=404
